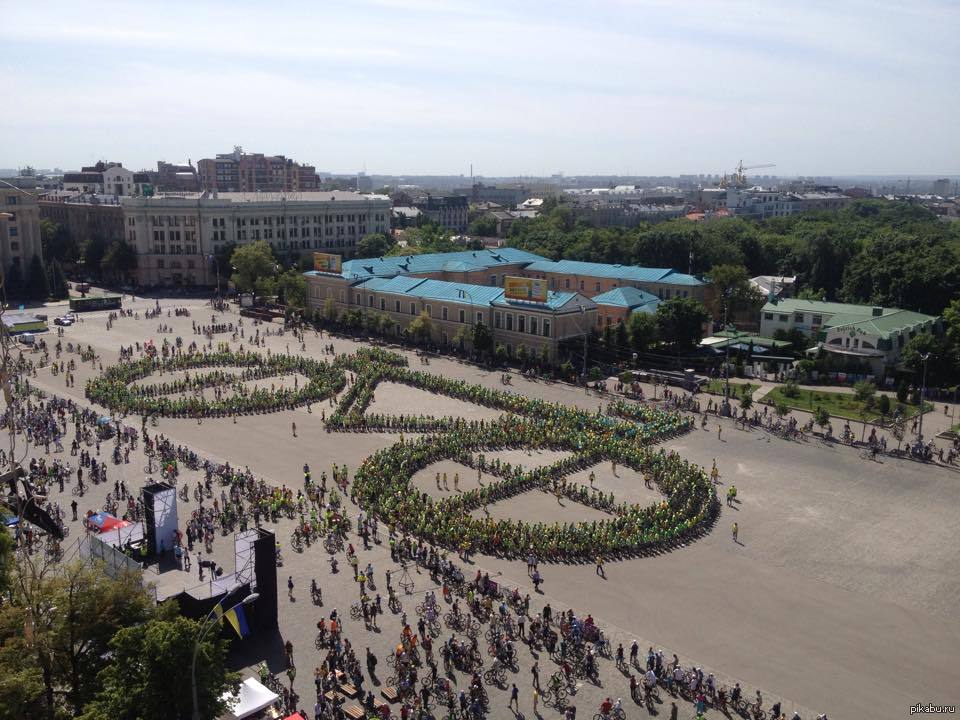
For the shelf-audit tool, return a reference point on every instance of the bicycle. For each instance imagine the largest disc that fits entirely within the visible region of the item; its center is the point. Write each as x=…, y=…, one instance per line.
x=614, y=714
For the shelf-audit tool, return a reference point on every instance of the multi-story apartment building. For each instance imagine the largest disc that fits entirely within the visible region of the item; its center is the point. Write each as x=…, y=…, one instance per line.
x=176, y=235
x=255, y=172
x=449, y=211
x=19, y=228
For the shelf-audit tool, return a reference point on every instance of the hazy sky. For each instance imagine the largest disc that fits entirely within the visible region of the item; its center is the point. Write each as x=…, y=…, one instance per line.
x=429, y=86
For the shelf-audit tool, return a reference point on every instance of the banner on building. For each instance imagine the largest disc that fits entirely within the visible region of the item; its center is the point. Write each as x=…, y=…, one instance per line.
x=520, y=288
x=326, y=262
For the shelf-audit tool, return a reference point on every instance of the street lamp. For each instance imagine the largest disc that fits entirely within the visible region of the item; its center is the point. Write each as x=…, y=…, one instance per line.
x=923, y=388
x=252, y=597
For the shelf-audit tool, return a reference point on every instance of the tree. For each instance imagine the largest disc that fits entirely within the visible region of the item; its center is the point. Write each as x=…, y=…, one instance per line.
x=119, y=261
x=746, y=401
x=642, y=329
x=37, y=285
x=680, y=322
x=482, y=339
x=461, y=336
x=253, y=263
x=781, y=408
x=221, y=259
x=59, y=285
x=732, y=290
x=483, y=226
x=864, y=391
x=293, y=286
x=330, y=312
x=937, y=350
x=13, y=282
x=866, y=412
x=57, y=242
x=821, y=417
x=883, y=405
x=621, y=338
x=501, y=353
x=94, y=250
x=898, y=430
x=149, y=673
x=374, y=245
x=421, y=328
x=812, y=294
x=522, y=354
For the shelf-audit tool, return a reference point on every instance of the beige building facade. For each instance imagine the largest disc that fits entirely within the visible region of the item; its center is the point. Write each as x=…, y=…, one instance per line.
x=175, y=236
x=19, y=228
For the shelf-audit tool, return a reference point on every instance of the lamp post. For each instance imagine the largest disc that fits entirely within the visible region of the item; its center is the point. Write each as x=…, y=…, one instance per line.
x=923, y=388
x=203, y=633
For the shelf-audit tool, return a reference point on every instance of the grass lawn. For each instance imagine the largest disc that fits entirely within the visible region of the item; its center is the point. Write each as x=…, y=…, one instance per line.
x=843, y=405
x=715, y=387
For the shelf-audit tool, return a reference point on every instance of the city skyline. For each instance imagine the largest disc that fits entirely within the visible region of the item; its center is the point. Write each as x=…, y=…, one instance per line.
x=428, y=87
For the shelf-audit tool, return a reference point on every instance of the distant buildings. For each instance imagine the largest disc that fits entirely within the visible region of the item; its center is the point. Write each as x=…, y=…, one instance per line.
x=761, y=203
x=175, y=235
x=84, y=217
x=107, y=178
x=942, y=187
x=254, y=172
x=507, y=197
x=171, y=177
x=19, y=228
x=449, y=211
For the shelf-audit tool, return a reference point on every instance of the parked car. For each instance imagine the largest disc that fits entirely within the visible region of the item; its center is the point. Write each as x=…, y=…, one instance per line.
x=64, y=321
x=27, y=338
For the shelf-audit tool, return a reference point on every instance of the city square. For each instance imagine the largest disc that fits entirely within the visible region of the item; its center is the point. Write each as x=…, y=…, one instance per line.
x=837, y=594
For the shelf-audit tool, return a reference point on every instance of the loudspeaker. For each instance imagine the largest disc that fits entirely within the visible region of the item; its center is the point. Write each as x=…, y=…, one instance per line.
x=265, y=571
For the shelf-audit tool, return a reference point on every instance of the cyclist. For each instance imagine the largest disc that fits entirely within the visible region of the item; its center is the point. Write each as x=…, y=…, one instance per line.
x=606, y=707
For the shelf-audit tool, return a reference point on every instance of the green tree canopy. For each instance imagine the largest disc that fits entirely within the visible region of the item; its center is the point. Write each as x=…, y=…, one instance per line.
x=483, y=226
x=421, y=328
x=148, y=676
x=680, y=322
x=292, y=285
x=642, y=329
x=374, y=245
x=119, y=261
x=252, y=264
x=38, y=287
x=94, y=250
x=482, y=339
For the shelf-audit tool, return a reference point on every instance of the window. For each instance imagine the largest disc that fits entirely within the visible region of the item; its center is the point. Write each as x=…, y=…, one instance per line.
x=581, y=284
x=596, y=287
x=817, y=320
x=493, y=280
x=396, y=306
x=546, y=328
x=784, y=318
x=160, y=264
x=413, y=308
x=509, y=321
x=369, y=300
x=13, y=232
x=443, y=313
x=798, y=318
x=533, y=326
x=521, y=323
x=566, y=283
x=12, y=199
x=479, y=317
x=383, y=304
x=496, y=320
x=430, y=310
x=460, y=317
x=768, y=316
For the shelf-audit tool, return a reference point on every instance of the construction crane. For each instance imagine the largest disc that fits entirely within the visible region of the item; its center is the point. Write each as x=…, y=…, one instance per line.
x=740, y=178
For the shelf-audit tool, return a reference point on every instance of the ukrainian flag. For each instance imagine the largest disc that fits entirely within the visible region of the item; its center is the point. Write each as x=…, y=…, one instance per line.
x=235, y=616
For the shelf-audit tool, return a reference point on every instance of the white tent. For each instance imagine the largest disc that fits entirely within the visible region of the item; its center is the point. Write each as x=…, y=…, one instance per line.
x=252, y=698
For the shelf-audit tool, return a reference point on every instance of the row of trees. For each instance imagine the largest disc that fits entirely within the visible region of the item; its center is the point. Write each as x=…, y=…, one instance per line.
x=874, y=252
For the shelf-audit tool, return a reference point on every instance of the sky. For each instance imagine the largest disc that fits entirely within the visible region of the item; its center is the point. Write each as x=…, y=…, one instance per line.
x=642, y=87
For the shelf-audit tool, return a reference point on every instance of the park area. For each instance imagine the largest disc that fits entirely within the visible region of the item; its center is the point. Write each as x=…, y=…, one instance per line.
x=840, y=564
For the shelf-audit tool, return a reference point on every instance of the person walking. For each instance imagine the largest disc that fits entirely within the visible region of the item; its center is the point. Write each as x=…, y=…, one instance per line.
x=290, y=587
x=536, y=700
x=736, y=532
x=600, y=567
x=535, y=672
x=294, y=427
x=514, y=698
x=719, y=432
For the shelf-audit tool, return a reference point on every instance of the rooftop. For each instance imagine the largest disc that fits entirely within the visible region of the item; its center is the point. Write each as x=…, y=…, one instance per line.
x=788, y=305
x=461, y=293
x=436, y=262
x=618, y=272
x=628, y=297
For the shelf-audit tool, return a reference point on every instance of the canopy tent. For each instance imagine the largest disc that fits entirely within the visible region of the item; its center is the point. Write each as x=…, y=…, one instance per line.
x=295, y=716
x=102, y=522
x=252, y=698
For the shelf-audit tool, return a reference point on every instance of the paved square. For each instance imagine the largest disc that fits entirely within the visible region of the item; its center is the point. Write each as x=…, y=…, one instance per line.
x=840, y=597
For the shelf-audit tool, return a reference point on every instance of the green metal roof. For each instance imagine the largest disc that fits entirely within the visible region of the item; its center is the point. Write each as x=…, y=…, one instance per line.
x=788, y=305
x=627, y=297
x=885, y=326
x=465, y=261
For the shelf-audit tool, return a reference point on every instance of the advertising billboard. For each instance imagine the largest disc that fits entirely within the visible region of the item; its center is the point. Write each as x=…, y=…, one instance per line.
x=326, y=262
x=520, y=288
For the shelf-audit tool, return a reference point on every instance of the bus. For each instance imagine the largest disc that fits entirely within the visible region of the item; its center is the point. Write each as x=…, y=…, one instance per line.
x=95, y=302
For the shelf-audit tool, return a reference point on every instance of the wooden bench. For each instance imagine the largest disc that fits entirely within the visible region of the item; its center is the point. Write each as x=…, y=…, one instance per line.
x=334, y=696
x=390, y=694
x=349, y=690
x=354, y=711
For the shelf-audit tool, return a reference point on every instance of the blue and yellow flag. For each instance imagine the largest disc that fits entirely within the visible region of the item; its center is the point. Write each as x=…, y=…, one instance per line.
x=236, y=617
